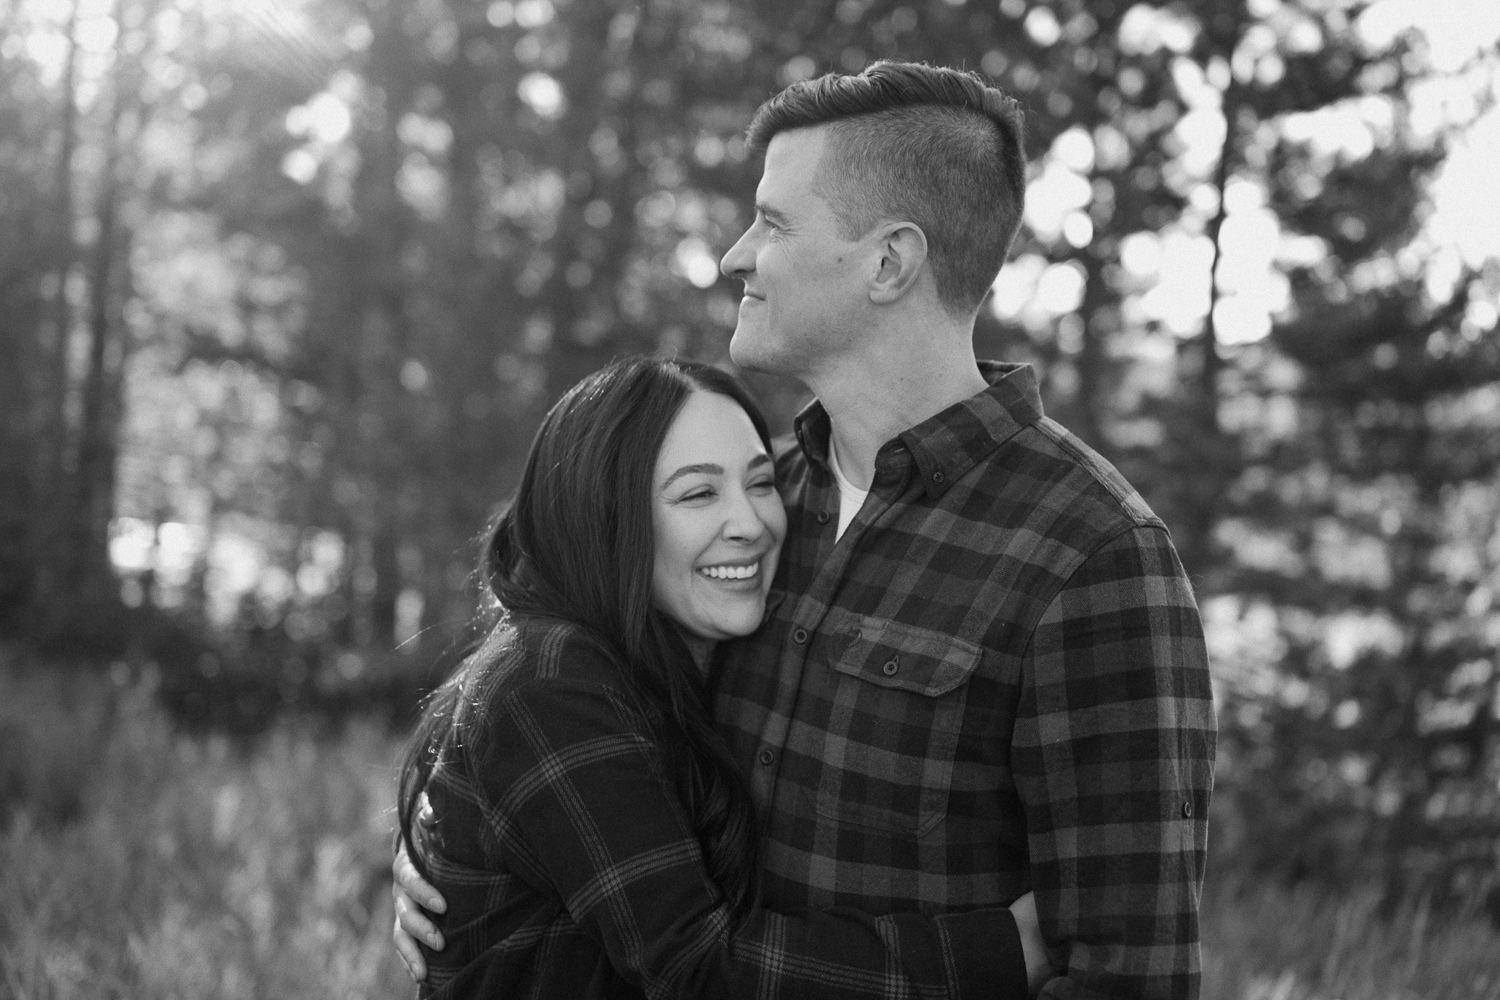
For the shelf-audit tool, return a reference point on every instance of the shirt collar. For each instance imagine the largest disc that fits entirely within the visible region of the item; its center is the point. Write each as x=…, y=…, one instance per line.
x=949, y=444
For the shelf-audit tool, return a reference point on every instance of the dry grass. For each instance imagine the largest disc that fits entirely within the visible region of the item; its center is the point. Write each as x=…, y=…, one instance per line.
x=1304, y=944
x=167, y=866
x=141, y=862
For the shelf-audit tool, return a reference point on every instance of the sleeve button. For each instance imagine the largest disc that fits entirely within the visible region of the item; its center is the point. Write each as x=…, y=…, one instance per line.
x=938, y=478
x=890, y=668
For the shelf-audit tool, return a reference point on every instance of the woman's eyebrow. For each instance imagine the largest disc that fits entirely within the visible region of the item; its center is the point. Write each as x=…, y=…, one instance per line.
x=759, y=460
x=707, y=468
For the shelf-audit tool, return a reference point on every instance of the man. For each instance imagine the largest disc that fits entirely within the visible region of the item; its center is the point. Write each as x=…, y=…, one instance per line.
x=983, y=670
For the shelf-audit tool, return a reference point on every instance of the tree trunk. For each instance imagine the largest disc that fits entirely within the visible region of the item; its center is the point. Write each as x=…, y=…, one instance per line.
x=89, y=608
x=64, y=252
x=1211, y=454
x=51, y=378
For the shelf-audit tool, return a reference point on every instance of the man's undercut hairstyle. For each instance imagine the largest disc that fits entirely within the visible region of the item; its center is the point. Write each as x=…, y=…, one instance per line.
x=928, y=145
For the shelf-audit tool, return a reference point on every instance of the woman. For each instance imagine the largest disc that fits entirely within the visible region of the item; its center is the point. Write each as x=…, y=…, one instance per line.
x=588, y=830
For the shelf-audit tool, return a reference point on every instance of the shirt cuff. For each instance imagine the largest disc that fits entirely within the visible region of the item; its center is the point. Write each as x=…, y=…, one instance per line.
x=984, y=955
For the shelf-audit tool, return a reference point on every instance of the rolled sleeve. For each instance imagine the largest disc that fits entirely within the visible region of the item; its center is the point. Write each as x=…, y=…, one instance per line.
x=1113, y=758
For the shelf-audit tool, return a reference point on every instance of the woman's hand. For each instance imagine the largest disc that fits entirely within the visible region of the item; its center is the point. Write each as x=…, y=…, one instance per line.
x=412, y=924
x=1038, y=966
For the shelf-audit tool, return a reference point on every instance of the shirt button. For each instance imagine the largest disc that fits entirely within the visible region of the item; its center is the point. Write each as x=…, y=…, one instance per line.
x=890, y=668
x=1187, y=810
x=799, y=636
x=766, y=756
x=822, y=517
x=938, y=477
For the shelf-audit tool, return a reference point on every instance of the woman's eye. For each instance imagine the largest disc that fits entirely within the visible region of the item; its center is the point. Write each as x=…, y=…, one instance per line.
x=762, y=485
x=699, y=494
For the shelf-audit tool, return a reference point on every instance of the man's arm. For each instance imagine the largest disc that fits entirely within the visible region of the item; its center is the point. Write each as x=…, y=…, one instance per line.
x=1113, y=757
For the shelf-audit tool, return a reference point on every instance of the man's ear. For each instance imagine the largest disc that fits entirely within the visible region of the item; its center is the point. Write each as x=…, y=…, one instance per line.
x=903, y=256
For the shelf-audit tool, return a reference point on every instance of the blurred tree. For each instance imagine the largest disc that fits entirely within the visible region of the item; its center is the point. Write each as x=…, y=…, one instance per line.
x=1350, y=547
x=24, y=188
x=81, y=572
x=65, y=420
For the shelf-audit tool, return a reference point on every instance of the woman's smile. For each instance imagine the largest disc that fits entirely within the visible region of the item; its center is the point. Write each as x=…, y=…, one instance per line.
x=717, y=520
x=732, y=572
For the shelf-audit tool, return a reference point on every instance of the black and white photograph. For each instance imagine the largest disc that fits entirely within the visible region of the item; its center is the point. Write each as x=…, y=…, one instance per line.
x=717, y=499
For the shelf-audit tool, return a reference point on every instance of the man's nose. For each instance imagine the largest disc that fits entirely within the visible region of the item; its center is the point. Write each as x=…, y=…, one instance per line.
x=738, y=260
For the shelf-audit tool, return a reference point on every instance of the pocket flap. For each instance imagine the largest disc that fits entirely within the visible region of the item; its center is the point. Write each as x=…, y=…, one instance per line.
x=907, y=657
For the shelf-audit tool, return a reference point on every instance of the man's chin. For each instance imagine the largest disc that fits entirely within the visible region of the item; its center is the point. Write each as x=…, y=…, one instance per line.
x=748, y=349
x=741, y=349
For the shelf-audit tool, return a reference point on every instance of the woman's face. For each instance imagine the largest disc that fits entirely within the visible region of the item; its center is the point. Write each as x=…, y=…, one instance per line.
x=717, y=518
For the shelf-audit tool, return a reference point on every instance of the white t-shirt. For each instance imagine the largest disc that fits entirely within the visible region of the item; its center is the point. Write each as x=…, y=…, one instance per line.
x=851, y=497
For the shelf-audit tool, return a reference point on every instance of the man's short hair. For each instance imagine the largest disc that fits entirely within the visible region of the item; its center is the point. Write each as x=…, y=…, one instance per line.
x=929, y=145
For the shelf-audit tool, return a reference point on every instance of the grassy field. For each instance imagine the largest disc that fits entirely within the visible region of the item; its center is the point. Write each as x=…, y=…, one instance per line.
x=139, y=862
x=147, y=864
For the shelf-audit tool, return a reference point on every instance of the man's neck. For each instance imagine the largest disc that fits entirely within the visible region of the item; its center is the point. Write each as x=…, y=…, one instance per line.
x=872, y=398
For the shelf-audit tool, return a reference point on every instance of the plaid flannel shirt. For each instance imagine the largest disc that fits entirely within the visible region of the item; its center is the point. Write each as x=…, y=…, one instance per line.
x=571, y=871
x=995, y=681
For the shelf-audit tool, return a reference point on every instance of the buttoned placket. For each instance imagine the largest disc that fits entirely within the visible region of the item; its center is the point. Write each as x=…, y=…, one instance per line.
x=893, y=479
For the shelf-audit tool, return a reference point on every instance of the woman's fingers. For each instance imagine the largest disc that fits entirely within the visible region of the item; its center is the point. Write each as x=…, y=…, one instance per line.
x=416, y=888
x=412, y=921
x=409, y=950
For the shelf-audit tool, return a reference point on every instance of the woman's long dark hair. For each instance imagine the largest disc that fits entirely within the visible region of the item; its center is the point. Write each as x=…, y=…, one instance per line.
x=577, y=543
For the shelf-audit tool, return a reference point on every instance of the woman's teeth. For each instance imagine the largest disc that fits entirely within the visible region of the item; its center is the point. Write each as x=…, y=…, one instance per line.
x=731, y=572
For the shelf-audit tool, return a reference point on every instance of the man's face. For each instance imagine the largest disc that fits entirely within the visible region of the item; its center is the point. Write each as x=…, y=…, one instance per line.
x=805, y=291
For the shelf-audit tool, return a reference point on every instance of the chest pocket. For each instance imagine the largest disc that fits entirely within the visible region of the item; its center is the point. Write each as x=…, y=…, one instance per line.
x=895, y=704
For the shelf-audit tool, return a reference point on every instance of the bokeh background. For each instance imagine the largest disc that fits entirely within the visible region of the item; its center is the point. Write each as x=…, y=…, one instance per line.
x=285, y=286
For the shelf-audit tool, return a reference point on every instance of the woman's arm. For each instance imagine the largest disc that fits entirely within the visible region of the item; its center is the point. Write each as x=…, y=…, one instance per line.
x=413, y=928
x=578, y=804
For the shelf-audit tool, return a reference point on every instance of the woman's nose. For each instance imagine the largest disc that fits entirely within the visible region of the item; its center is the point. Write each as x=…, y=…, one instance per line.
x=743, y=522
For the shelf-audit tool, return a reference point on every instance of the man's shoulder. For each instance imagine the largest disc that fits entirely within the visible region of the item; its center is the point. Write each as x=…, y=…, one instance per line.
x=1054, y=472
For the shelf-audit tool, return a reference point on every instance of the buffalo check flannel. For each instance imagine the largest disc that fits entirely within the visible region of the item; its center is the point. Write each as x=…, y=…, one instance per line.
x=995, y=681
x=571, y=872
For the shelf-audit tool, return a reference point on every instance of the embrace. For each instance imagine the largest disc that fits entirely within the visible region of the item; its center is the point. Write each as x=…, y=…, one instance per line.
x=916, y=704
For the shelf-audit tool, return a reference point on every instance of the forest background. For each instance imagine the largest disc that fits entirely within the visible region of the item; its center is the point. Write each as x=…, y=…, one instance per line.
x=285, y=286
